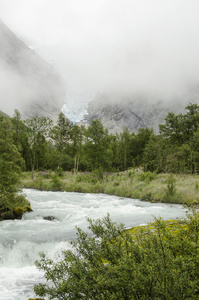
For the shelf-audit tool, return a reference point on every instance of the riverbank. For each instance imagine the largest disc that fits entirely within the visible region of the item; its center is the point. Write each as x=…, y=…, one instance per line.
x=147, y=186
x=14, y=208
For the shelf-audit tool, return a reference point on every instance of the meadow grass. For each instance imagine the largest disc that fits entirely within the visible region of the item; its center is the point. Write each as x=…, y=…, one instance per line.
x=147, y=186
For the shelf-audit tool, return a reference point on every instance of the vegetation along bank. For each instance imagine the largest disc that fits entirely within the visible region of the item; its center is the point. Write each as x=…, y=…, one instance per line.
x=159, y=261
x=134, y=183
x=99, y=161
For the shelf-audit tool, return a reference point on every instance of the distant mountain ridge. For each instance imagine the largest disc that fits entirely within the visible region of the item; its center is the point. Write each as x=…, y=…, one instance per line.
x=134, y=112
x=27, y=82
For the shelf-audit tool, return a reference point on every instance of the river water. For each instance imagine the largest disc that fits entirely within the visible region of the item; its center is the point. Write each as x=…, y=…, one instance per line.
x=21, y=240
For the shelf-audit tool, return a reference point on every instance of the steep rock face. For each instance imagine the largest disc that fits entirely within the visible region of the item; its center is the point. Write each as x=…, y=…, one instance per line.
x=117, y=112
x=27, y=82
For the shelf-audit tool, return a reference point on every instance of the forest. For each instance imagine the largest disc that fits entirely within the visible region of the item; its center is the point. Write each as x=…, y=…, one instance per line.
x=42, y=145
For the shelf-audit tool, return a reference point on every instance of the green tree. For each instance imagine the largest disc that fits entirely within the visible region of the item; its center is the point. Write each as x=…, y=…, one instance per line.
x=77, y=137
x=49, y=153
x=180, y=132
x=191, y=120
x=60, y=134
x=138, y=144
x=152, y=161
x=20, y=137
x=114, y=146
x=97, y=146
x=10, y=167
x=173, y=128
x=194, y=146
x=38, y=130
x=124, y=147
x=181, y=128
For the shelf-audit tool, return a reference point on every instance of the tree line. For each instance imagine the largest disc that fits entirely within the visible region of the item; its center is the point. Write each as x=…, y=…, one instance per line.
x=43, y=145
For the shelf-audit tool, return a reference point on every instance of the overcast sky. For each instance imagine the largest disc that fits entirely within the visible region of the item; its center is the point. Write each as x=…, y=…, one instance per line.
x=137, y=46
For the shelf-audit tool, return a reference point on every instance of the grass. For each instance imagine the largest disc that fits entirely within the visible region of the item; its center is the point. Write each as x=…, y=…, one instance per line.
x=133, y=184
x=171, y=225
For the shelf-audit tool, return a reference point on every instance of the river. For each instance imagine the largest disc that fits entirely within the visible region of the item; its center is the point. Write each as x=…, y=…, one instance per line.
x=21, y=240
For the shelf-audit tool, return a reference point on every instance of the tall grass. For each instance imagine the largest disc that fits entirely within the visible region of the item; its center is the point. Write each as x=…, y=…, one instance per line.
x=146, y=186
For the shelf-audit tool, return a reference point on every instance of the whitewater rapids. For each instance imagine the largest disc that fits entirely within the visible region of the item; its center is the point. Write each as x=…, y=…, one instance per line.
x=22, y=240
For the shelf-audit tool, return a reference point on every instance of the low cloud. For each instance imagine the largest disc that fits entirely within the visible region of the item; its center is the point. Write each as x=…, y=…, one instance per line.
x=133, y=47
x=27, y=82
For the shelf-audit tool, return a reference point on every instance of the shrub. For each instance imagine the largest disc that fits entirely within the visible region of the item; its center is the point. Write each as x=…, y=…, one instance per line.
x=98, y=174
x=147, y=176
x=38, y=184
x=153, y=262
x=171, y=186
x=56, y=183
x=59, y=172
x=79, y=178
x=147, y=197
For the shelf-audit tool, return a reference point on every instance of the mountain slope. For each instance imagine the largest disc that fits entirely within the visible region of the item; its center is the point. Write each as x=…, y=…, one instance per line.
x=134, y=112
x=27, y=82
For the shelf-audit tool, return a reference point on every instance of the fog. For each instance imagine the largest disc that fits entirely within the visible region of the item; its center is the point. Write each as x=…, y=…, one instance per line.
x=27, y=82
x=11, y=83
x=127, y=47
x=32, y=92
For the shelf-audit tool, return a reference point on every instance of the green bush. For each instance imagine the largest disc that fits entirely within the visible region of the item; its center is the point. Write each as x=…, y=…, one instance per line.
x=85, y=178
x=147, y=176
x=98, y=174
x=79, y=178
x=56, y=183
x=38, y=184
x=59, y=172
x=151, y=262
x=171, y=186
x=147, y=197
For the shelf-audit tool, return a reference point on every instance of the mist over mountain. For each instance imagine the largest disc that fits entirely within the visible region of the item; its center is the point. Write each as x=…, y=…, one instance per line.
x=135, y=111
x=132, y=61
x=27, y=82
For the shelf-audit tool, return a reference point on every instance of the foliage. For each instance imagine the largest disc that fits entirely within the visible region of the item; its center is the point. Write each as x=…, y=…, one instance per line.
x=77, y=139
x=155, y=262
x=97, y=145
x=60, y=134
x=10, y=167
x=138, y=144
x=171, y=185
x=11, y=164
x=59, y=172
x=38, y=184
x=77, y=149
x=124, y=147
x=10, y=160
x=147, y=176
x=123, y=185
x=20, y=137
x=56, y=182
x=38, y=129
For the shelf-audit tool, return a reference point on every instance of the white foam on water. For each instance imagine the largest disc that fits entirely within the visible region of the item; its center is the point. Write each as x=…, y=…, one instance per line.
x=18, y=283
